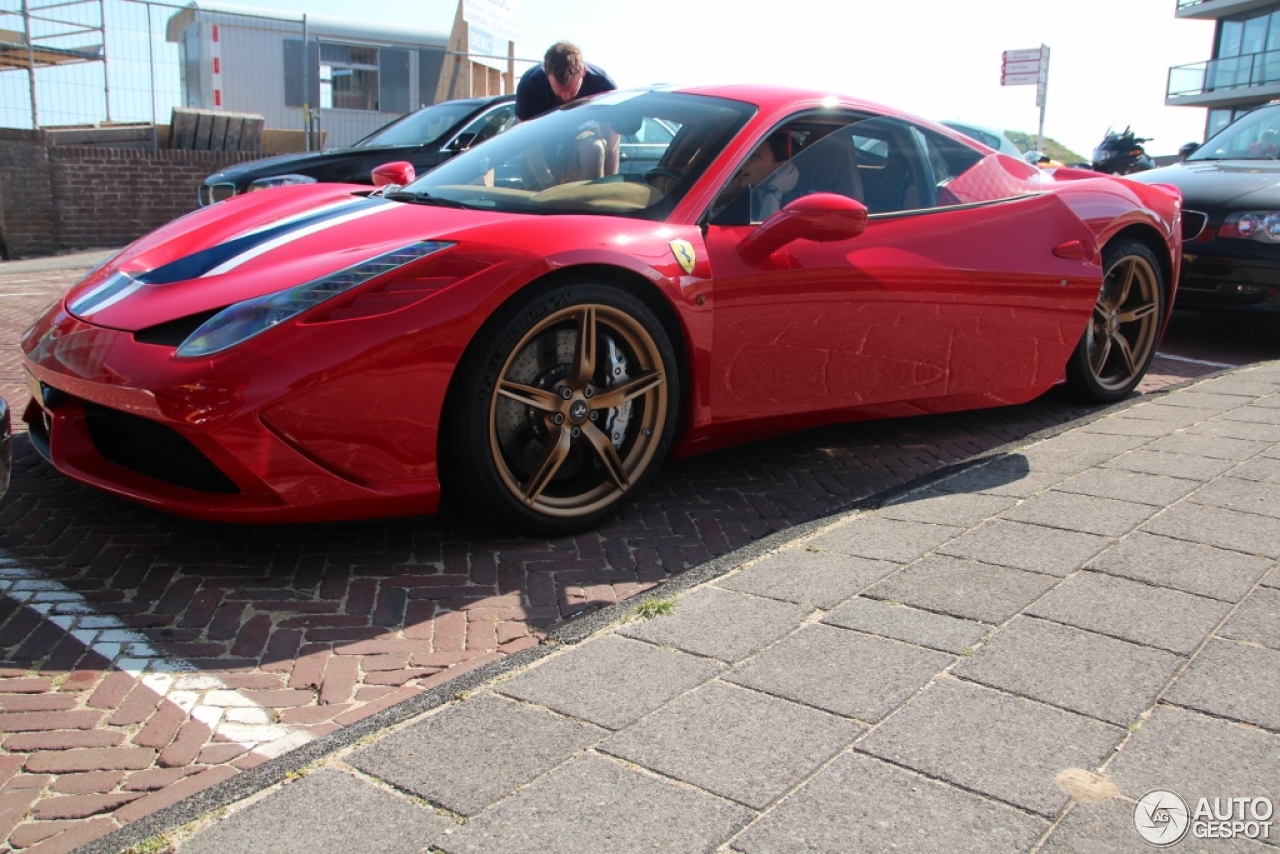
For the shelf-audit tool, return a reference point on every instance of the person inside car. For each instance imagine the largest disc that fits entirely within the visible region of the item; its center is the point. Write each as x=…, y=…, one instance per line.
x=770, y=186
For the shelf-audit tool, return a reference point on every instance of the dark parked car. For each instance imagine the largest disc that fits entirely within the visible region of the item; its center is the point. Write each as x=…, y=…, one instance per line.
x=425, y=138
x=1231, y=213
x=6, y=447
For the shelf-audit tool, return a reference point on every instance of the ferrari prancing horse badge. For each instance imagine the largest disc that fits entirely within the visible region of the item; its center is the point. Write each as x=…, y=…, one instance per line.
x=683, y=250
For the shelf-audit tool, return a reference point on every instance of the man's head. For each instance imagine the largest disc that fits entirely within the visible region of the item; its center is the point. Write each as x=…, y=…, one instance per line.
x=565, y=69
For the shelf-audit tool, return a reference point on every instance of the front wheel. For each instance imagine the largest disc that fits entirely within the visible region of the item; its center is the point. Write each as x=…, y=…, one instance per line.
x=1120, y=341
x=564, y=407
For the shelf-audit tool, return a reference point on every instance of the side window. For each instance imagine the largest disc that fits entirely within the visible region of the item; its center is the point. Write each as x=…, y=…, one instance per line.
x=485, y=126
x=894, y=172
x=962, y=176
x=883, y=162
x=806, y=155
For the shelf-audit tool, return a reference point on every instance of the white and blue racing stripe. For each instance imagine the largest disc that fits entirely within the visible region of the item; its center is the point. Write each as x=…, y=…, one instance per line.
x=229, y=254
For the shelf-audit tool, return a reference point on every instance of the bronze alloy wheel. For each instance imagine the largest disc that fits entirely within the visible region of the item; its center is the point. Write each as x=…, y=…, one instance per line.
x=563, y=408
x=1120, y=340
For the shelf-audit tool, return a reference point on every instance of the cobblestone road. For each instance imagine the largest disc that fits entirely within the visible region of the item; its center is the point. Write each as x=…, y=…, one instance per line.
x=143, y=657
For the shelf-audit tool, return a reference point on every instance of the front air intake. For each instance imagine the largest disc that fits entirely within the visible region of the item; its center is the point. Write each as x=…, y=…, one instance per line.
x=154, y=450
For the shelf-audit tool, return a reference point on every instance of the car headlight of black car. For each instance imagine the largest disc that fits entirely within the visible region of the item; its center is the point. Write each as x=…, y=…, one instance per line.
x=279, y=181
x=1263, y=226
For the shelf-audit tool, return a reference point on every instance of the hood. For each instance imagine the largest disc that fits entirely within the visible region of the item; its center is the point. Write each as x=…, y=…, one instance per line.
x=305, y=162
x=1218, y=183
x=280, y=164
x=255, y=245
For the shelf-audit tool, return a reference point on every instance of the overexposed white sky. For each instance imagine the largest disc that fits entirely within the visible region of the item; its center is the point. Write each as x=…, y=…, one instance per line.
x=935, y=58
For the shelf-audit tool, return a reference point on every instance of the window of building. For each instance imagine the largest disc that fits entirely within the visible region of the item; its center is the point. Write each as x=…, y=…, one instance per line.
x=348, y=77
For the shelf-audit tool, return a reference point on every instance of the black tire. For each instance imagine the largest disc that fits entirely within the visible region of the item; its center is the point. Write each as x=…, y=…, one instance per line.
x=1120, y=341
x=551, y=438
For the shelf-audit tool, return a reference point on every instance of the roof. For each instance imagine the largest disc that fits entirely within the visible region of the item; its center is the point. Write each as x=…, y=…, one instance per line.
x=323, y=26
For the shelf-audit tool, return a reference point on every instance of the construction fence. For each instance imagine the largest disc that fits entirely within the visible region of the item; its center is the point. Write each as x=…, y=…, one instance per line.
x=110, y=62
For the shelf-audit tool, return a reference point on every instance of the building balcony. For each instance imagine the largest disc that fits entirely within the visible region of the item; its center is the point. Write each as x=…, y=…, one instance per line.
x=1214, y=9
x=1235, y=82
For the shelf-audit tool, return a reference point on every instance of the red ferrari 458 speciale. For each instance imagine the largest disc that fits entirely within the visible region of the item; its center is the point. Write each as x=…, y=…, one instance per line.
x=536, y=324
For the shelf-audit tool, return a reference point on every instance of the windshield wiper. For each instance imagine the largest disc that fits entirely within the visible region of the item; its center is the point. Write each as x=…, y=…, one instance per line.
x=422, y=197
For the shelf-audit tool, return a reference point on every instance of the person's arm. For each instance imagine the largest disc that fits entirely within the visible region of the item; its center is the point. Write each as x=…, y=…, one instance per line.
x=611, y=150
x=528, y=102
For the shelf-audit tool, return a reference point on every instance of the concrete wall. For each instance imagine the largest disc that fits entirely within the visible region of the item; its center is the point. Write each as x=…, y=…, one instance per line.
x=56, y=199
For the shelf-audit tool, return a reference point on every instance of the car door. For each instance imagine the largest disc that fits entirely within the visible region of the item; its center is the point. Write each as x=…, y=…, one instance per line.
x=952, y=290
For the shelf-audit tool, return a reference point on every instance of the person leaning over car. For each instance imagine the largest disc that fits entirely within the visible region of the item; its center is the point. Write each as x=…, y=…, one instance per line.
x=562, y=77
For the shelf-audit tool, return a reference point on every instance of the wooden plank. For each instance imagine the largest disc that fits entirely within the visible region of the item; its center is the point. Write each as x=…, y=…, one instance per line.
x=204, y=131
x=235, y=129
x=182, y=129
x=218, y=132
x=251, y=134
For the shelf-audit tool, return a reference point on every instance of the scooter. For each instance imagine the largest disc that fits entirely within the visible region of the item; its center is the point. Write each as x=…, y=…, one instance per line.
x=1121, y=154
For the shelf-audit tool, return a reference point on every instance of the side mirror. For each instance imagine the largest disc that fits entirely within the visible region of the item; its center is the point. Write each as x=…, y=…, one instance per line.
x=398, y=172
x=821, y=217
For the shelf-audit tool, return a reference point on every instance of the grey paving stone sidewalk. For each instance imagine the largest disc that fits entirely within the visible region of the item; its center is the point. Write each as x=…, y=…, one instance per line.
x=1006, y=660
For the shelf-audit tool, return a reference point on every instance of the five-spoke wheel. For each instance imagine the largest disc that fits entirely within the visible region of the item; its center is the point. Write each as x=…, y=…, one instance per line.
x=574, y=407
x=1120, y=341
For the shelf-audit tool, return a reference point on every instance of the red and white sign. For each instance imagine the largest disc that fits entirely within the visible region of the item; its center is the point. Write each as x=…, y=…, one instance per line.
x=1019, y=79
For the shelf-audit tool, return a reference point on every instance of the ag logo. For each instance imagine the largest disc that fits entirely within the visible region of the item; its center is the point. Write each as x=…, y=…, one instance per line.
x=683, y=250
x=1161, y=817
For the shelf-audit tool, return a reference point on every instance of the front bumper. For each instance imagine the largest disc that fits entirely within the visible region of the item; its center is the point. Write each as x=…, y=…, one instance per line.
x=209, y=439
x=1228, y=272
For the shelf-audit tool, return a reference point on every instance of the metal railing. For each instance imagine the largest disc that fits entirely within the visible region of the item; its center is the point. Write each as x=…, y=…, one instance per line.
x=1217, y=75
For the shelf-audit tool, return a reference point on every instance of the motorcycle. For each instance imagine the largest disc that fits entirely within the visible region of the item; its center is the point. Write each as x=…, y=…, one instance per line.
x=1121, y=154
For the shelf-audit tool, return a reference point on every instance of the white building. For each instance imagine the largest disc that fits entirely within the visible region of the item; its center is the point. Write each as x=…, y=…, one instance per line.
x=350, y=79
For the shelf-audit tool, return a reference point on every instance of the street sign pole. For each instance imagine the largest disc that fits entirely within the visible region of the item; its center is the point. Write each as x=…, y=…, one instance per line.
x=1042, y=91
x=1024, y=67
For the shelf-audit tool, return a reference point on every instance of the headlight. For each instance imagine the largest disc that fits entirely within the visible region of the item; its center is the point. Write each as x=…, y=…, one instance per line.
x=244, y=320
x=1263, y=226
x=279, y=181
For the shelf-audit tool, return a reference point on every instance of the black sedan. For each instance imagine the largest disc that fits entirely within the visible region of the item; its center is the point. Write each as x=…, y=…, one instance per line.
x=425, y=138
x=1231, y=213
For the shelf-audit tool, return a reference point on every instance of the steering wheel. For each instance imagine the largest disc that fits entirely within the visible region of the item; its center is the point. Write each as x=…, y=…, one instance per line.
x=663, y=172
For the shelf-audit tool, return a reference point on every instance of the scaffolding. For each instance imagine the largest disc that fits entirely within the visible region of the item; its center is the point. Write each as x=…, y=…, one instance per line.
x=49, y=29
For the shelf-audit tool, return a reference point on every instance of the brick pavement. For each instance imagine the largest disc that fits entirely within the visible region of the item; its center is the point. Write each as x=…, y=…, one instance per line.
x=145, y=657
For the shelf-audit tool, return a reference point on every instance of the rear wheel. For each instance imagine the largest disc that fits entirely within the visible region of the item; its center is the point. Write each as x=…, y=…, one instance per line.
x=1120, y=341
x=565, y=406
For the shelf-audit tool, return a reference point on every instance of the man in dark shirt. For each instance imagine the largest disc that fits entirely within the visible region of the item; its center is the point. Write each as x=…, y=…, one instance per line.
x=562, y=77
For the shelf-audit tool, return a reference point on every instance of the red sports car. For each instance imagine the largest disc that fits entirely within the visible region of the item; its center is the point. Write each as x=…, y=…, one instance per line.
x=533, y=329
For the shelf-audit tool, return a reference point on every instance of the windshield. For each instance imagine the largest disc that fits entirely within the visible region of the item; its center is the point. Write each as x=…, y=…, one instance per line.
x=631, y=154
x=423, y=126
x=1255, y=136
